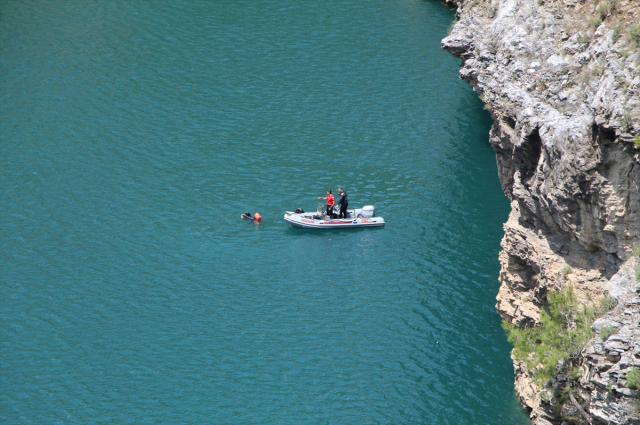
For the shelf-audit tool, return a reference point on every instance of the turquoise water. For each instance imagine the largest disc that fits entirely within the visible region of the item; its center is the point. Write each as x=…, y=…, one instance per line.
x=134, y=134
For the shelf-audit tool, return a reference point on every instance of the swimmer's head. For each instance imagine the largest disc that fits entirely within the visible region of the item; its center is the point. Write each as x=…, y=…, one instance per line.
x=248, y=214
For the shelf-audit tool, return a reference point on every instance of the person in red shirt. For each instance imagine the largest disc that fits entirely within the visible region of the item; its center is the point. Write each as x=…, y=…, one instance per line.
x=331, y=200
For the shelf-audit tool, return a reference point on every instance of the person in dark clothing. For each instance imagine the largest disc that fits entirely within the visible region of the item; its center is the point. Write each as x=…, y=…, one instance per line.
x=343, y=202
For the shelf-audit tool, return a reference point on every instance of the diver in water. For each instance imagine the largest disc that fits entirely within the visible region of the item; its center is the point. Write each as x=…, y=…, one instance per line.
x=256, y=217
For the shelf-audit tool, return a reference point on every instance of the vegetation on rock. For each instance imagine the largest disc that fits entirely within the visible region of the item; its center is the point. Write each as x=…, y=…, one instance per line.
x=634, y=36
x=554, y=345
x=633, y=378
x=606, y=304
x=636, y=249
x=607, y=331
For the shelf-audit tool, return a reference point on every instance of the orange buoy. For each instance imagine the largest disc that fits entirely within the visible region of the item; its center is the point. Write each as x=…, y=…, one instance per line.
x=257, y=216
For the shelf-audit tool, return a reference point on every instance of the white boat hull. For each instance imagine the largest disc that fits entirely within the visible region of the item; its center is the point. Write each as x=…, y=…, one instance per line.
x=307, y=221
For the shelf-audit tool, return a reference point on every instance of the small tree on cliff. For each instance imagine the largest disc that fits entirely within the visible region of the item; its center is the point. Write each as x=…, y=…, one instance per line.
x=565, y=326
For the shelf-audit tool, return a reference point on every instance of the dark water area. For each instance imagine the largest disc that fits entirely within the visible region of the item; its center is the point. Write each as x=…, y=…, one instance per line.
x=134, y=134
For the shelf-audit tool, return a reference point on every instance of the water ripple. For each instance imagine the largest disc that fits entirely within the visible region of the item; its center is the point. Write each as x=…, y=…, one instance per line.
x=133, y=136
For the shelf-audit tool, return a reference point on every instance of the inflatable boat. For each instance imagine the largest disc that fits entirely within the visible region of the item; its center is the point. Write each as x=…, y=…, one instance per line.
x=356, y=218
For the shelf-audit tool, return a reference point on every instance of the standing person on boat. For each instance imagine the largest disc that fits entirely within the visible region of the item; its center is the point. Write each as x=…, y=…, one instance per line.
x=331, y=200
x=343, y=202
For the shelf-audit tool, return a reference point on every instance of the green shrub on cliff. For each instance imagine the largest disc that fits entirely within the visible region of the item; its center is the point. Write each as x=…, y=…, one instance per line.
x=607, y=331
x=634, y=36
x=633, y=379
x=635, y=251
x=616, y=33
x=564, y=329
x=607, y=303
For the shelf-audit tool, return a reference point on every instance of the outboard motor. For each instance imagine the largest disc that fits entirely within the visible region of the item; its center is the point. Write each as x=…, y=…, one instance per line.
x=367, y=211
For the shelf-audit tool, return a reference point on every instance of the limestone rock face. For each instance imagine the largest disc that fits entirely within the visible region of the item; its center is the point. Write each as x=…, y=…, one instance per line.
x=611, y=354
x=562, y=81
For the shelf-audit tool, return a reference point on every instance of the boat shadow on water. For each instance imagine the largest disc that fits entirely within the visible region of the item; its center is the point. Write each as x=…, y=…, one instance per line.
x=302, y=231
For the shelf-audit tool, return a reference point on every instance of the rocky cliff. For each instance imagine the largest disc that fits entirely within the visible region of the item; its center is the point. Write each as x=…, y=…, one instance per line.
x=562, y=82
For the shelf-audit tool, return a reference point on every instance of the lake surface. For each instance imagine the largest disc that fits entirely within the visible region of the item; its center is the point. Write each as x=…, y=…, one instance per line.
x=135, y=133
